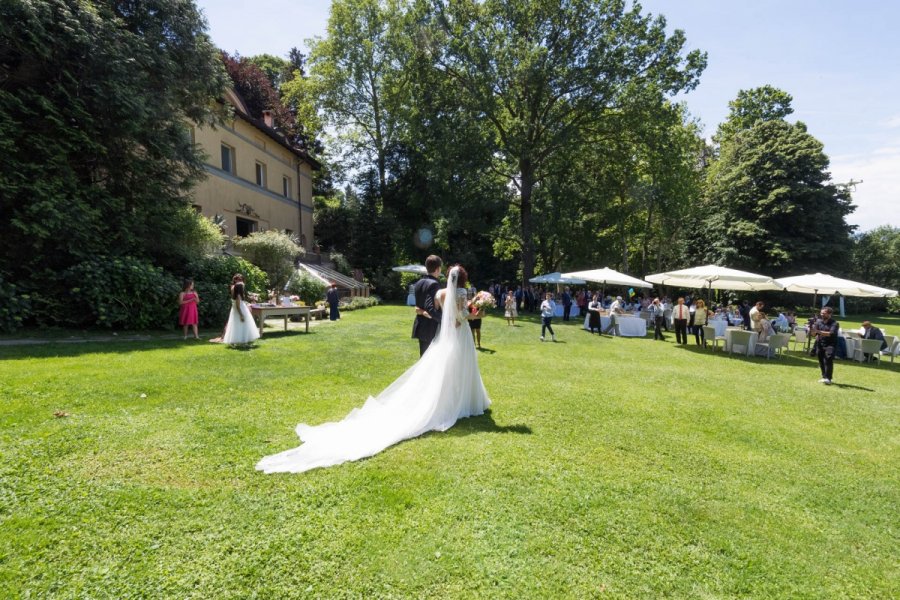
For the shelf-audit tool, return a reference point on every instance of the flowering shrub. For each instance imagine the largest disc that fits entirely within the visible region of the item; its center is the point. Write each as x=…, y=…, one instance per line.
x=483, y=300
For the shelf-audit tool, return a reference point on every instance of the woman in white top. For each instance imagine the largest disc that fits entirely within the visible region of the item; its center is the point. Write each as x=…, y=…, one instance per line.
x=701, y=318
x=443, y=386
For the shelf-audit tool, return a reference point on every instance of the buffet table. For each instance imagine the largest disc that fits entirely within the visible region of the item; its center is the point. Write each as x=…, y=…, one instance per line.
x=262, y=312
x=628, y=325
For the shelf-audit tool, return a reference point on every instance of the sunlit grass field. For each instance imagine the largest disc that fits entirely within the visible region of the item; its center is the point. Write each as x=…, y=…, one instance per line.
x=607, y=467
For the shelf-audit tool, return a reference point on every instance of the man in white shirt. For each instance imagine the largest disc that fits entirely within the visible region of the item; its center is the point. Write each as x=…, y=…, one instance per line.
x=680, y=316
x=614, y=309
x=757, y=316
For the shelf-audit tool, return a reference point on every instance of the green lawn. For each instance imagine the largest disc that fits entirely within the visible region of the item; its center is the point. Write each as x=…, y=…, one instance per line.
x=608, y=467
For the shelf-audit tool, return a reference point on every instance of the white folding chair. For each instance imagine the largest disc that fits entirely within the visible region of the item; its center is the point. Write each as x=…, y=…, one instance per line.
x=709, y=335
x=800, y=337
x=870, y=347
x=739, y=339
x=778, y=343
x=894, y=350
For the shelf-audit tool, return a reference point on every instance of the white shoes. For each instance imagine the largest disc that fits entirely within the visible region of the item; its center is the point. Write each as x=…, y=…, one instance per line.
x=825, y=381
x=553, y=337
x=542, y=338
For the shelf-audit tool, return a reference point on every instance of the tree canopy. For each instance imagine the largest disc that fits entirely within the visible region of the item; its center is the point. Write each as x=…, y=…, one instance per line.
x=95, y=102
x=771, y=205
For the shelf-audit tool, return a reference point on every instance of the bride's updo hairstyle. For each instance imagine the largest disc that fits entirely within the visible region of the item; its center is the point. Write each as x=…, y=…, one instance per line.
x=462, y=277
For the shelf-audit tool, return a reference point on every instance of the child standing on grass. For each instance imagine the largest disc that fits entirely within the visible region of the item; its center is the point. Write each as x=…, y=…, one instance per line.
x=548, y=307
x=510, y=308
x=187, y=308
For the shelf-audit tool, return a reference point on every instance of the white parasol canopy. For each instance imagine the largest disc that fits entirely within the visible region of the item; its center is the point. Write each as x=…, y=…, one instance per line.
x=607, y=276
x=420, y=269
x=716, y=278
x=827, y=285
x=557, y=278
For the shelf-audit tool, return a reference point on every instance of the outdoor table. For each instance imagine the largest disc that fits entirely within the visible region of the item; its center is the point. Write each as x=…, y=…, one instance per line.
x=261, y=313
x=851, y=344
x=720, y=324
x=559, y=310
x=411, y=300
x=751, y=347
x=629, y=326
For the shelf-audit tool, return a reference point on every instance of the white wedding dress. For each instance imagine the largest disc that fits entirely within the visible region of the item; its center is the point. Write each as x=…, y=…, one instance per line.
x=443, y=386
x=237, y=330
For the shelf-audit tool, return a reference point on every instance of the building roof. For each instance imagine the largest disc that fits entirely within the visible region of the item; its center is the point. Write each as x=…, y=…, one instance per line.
x=328, y=275
x=241, y=110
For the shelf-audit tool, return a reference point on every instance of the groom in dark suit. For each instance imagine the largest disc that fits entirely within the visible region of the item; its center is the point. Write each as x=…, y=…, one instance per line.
x=428, y=317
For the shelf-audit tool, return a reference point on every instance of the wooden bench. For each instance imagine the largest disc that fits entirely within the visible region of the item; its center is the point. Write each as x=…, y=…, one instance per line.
x=318, y=313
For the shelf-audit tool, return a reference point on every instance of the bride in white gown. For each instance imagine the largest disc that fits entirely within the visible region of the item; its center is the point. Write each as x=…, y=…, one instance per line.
x=443, y=386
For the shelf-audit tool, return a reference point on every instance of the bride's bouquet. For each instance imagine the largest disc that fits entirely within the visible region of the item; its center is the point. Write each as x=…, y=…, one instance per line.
x=482, y=301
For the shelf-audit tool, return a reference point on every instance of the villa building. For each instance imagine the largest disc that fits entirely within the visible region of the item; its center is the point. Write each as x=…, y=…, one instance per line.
x=256, y=179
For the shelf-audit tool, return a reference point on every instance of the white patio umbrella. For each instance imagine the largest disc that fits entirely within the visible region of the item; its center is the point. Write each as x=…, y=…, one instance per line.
x=824, y=284
x=557, y=278
x=607, y=276
x=714, y=277
x=420, y=269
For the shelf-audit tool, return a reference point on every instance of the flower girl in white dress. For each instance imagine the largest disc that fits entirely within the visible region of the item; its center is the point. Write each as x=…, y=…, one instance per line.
x=443, y=386
x=240, y=329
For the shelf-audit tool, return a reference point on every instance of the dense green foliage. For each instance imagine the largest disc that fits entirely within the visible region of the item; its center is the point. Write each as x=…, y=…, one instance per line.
x=425, y=89
x=876, y=257
x=212, y=281
x=771, y=207
x=118, y=292
x=15, y=307
x=310, y=289
x=685, y=474
x=95, y=98
x=272, y=251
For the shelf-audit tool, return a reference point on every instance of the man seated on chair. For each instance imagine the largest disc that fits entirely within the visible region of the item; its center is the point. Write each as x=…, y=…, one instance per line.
x=872, y=333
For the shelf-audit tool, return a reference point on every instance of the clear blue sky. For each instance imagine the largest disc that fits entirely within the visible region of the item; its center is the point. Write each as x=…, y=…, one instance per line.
x=839, y=60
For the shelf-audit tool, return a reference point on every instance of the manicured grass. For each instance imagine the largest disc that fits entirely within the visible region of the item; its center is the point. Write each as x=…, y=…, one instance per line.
x=607, y=468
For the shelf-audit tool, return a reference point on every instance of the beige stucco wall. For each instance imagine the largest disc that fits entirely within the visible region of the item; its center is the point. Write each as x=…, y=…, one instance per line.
x=234, y=194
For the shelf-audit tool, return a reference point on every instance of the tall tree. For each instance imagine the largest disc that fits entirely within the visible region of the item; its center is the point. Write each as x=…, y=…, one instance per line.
x=876, y=257
x=550, y=75
x=771, y=204
x=95, y=100
x=353, y=78
x=765, y=103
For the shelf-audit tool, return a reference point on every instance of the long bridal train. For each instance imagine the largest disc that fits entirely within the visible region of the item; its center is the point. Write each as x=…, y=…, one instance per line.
x=442, y=387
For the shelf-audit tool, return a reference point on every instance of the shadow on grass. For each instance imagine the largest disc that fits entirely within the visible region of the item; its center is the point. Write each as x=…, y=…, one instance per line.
x=484, y=424
x=486, y=350
x=851, y=387
x=66, y=349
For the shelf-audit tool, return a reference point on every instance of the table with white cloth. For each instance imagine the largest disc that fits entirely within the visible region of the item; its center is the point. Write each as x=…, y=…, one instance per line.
x=750, y=350
x=852, y=343
x=628, y=325
x=572, y=313
x=720, y=324
x=411, y=300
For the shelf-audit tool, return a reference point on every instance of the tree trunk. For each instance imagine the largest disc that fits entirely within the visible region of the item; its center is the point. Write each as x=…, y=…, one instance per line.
x=526, y=170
